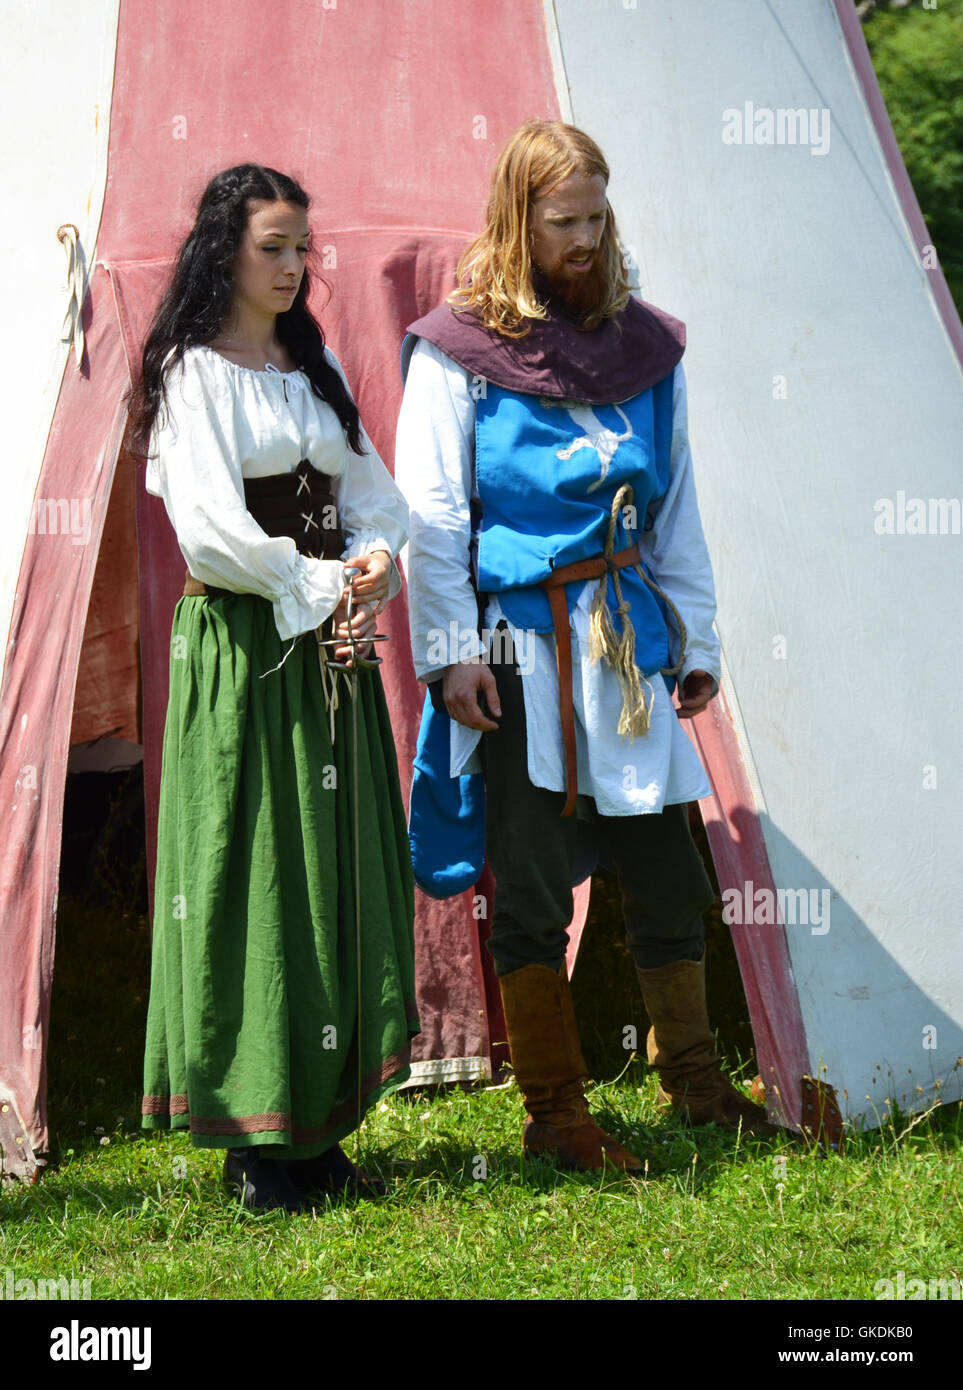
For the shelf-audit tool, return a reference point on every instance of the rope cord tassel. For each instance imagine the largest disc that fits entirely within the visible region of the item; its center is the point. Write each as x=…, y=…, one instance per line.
x=618, y=649
x=329, y=686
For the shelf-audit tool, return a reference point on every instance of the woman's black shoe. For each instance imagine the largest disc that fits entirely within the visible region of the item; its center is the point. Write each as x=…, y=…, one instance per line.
x=261, y=1183
x=332, y=1174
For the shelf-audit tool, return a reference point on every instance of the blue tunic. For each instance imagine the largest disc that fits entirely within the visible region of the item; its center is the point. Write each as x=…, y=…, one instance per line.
x=547, y=473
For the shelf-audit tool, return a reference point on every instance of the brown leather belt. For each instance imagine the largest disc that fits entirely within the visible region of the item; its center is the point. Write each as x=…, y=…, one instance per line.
x=592, y=568
x=196, y=588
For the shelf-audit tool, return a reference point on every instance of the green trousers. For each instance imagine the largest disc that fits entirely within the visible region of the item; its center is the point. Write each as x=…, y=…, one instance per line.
x=532, y=851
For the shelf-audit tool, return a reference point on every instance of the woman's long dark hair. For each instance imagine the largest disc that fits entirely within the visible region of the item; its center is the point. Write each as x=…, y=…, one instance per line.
x=200, y=296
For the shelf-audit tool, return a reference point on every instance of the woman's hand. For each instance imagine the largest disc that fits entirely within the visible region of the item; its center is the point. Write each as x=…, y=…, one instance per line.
x=370, y=585
x=364, y=624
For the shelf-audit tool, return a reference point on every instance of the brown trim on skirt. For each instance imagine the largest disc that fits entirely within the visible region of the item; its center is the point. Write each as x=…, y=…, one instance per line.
x=164, y=1105
x=276, y=1121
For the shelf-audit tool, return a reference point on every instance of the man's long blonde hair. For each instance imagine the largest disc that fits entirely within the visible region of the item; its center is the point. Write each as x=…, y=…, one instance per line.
x=495, y=272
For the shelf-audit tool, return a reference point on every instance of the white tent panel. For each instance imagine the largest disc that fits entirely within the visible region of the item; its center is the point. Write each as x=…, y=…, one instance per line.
x=823, y=385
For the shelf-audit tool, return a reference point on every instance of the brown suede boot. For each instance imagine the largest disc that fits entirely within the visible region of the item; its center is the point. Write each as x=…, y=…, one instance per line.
x=680, y=1044
x=549, y=1069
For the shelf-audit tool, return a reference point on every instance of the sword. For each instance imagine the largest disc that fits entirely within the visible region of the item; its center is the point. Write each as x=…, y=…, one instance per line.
x=352, y=668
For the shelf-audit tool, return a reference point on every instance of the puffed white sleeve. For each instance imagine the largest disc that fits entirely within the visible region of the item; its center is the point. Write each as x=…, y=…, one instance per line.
x=371, y=507
x=434, y=465
x=676, y=552
x=195, y=467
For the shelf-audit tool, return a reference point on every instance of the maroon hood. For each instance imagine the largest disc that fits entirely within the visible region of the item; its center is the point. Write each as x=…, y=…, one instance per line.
x=621, y=358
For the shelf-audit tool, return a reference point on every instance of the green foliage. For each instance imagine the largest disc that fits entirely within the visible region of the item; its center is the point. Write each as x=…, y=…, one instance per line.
x=918, y=59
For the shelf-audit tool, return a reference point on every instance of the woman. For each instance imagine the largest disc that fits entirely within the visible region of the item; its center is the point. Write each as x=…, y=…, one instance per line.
x=276, y=497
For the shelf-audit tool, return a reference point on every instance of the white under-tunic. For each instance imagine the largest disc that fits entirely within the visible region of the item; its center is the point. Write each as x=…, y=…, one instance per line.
x=434, y=466
x=224, y=423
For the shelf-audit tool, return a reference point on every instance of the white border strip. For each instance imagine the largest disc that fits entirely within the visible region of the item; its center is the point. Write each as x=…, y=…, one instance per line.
x=562, y=88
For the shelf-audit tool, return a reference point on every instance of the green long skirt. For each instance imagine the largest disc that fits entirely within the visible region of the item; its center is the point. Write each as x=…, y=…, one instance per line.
x=253, y=1025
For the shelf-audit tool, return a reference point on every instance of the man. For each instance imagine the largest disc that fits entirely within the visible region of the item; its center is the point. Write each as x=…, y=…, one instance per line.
x=542, y=448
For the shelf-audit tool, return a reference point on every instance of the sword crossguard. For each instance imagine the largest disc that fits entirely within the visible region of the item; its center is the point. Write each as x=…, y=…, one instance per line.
x=357, y=663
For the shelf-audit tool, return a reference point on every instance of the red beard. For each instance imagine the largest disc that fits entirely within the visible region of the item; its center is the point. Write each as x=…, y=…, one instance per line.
x=580, y=293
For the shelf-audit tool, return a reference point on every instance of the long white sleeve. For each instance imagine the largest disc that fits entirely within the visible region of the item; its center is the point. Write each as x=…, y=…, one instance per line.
x=675, y=551
x=224, y=423
x=434, y=457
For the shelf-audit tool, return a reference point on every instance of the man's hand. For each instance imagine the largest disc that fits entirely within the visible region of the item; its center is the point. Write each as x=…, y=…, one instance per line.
x=461, y=686
x=371, y=584
x=698, y=689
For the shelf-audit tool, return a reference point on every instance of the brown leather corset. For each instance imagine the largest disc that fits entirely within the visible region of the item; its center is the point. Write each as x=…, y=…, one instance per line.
x=300, y=505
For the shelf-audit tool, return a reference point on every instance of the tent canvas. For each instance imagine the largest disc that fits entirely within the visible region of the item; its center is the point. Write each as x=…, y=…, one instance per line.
x=810, y=794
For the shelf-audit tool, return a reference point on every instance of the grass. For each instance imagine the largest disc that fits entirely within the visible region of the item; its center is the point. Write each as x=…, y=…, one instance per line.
x=715, y=1217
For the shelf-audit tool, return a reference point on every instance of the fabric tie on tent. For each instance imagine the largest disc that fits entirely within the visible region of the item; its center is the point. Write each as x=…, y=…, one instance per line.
x=72, y=330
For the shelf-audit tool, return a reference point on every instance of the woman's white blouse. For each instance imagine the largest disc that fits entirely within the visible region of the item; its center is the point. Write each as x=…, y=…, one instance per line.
x=224, y=423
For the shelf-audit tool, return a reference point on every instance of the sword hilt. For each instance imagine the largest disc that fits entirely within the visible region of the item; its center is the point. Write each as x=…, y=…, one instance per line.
x=356, y=663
